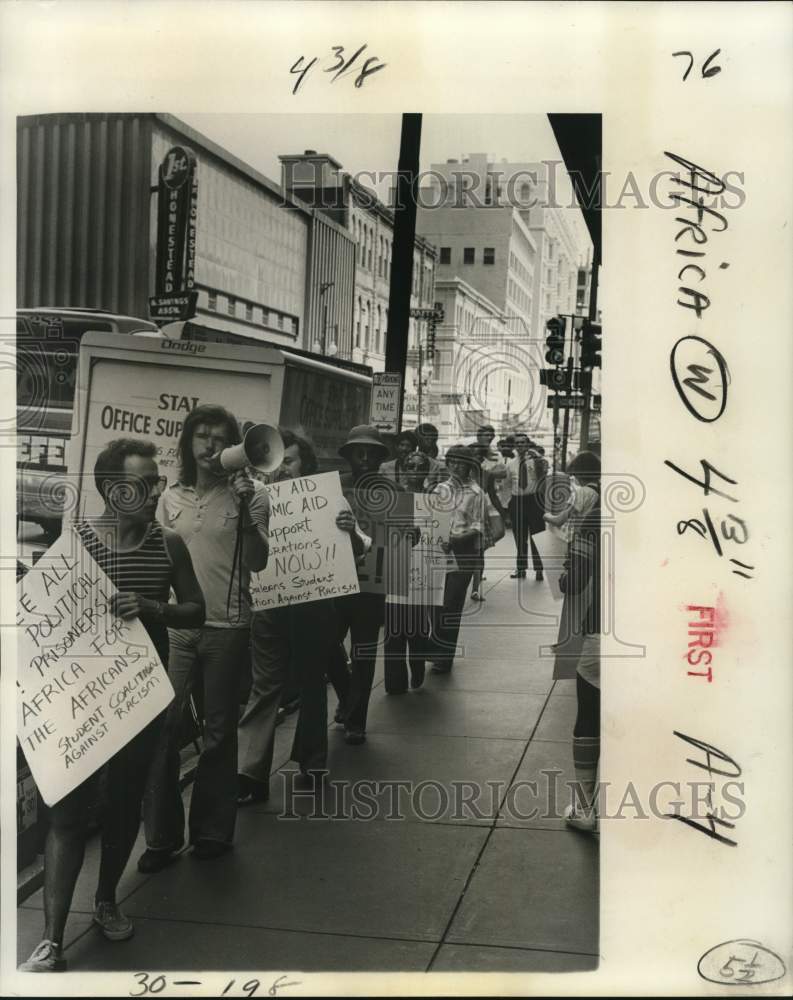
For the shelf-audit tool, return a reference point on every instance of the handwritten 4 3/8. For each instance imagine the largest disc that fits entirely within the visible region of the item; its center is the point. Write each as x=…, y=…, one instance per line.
x=342, y=66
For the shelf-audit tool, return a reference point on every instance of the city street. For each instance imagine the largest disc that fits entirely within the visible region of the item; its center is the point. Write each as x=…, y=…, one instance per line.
x=446, y=887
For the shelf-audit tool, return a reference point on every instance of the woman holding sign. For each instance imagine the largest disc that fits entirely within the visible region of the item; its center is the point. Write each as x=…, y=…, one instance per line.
x=144, y=561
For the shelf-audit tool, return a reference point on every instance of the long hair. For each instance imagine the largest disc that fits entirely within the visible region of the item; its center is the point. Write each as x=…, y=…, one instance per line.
x=308, y=457
x=211, y=416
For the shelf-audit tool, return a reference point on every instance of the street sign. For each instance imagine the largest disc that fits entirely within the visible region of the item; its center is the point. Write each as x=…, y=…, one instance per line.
x=436, y=314
x=386, y=389
x=173, y=307
x=566, y=402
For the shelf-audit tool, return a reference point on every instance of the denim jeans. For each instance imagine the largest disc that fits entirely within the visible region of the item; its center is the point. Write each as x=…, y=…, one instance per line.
x=296, y=640
x=211, y=657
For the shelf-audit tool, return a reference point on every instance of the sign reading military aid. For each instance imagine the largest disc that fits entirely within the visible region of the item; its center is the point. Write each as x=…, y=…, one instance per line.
x=310, y=558
x=87, y=682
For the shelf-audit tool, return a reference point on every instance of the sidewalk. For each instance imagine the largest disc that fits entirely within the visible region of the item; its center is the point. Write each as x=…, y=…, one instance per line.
x=444, y=888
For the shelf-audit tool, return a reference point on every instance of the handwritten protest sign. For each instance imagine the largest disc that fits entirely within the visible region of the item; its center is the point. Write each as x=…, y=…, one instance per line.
x=387, y=518
x=428, y=562
x=310, y=558
x=87, y=682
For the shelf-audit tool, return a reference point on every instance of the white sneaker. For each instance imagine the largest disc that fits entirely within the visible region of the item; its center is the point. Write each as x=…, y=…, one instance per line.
x=112, y=922
x=587, y=821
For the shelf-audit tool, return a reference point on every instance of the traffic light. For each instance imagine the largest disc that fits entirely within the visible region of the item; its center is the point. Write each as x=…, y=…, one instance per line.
x=591, y=340
x=557, y=379
x=554, y=341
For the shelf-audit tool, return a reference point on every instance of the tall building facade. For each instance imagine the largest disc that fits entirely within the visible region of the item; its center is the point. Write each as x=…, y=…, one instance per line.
x=87, y=231
x=483, y=369
x=548, y=239
x=320, y=181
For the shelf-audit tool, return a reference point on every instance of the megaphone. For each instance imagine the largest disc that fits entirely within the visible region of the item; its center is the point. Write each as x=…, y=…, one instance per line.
x=262, y=448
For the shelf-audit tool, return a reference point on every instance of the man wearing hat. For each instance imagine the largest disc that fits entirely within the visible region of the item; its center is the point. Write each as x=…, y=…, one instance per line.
x=371, y=496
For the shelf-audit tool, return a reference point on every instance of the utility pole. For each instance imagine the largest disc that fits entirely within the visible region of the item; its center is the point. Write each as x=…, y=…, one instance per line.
x=402, y=257
x=593, y=295
x=421, y=379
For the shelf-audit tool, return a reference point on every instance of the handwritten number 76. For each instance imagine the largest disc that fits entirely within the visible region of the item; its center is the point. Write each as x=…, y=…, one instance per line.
x=707, y=69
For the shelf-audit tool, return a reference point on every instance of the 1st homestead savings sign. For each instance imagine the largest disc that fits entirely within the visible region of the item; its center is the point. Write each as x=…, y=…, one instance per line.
x=386, y=388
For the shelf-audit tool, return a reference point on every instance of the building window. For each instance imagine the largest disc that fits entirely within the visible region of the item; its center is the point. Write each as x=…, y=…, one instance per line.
x=212, y=301
x=358, y=324
x=232, y=307
x=249, y=312
x=469, y=255
x=489, y=255
x=446, y=255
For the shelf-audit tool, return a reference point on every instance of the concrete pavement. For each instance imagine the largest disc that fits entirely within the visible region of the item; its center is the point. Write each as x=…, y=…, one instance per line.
x=473, y=870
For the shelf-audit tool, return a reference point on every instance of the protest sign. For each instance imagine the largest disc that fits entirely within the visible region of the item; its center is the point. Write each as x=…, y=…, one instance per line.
x=387, y=518
x=87, y=682
x=428, y=562
x=310, y=558
x=552, y=546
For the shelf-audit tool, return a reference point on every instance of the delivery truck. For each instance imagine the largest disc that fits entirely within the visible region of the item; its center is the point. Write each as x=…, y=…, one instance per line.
x=141, y=387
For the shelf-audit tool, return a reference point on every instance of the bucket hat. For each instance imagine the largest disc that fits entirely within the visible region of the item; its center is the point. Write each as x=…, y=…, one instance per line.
x=363, y=434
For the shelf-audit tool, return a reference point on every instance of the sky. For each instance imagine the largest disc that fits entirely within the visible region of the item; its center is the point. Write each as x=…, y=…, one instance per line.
x=371, y=142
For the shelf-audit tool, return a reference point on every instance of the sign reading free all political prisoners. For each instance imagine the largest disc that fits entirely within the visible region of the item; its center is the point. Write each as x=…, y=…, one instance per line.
x=87, y=682
x=310, y=558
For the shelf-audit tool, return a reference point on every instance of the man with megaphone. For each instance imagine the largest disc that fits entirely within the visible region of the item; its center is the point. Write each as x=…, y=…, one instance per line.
x=222, y=515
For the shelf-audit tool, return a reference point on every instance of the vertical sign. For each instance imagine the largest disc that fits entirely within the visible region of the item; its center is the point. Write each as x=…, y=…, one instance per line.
x=177, y=213
x=386, y=389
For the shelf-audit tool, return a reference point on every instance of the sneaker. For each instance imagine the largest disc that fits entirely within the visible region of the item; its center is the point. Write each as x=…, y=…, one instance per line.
x=519, y=574
x=587, y=822
x=354, y=737
x=112, y=922
x=151, y=861
x=476, y=596
x=47, y=957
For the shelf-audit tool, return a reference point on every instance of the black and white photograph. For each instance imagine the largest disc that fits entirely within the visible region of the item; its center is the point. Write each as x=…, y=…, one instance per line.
x=319, y=418
x=317, y=577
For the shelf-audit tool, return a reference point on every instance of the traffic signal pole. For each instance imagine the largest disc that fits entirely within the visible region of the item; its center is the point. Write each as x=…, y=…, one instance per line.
x=593, y=296
x=396, y=347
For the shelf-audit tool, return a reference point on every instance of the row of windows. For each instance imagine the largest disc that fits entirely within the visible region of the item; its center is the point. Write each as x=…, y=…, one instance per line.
x=469, y=255
x=370, y=326
x=517, y=294
x=376, y=257
x=240, y=309
x=520, y=269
